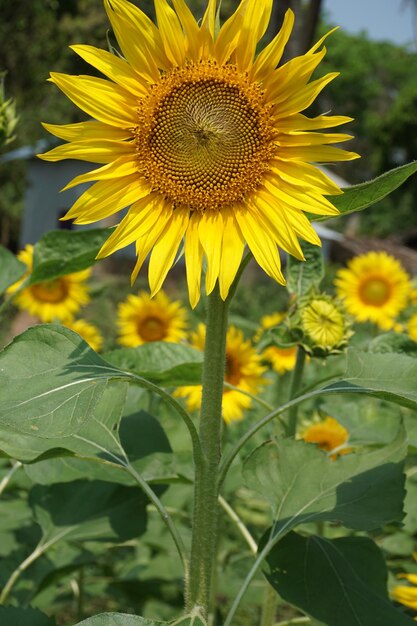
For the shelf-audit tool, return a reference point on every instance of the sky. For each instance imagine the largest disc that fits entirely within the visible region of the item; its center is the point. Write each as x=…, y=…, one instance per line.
x=390, y=20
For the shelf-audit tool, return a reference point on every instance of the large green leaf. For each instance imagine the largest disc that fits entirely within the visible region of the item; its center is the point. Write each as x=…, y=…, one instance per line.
x=11, y=269
x=359, y=197
x=120, y=619
x=50, y=380
x=341, y=582
x=389, y=376
x=362, y=491
x=87, y=510
x=12, y=616
x=163, y=363
x=305, y=275
x=61, y=252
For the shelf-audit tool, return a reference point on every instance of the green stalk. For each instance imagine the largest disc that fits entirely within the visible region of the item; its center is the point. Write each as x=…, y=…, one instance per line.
x=297, y=376
x=205, y=514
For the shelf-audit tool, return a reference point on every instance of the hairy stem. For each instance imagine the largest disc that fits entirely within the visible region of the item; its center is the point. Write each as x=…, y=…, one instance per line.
x=205, y=513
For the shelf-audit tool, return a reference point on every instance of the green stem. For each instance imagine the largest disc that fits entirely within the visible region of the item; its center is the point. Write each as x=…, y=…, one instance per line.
x=253, y=546
x=205, y=513
x=297, y=376
x=269, y=608
x=7, y=478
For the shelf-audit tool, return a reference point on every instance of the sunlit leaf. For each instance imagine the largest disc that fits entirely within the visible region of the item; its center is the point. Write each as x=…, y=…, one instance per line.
x=359, y=197
x=303, y=484
x=167, y=364
x=61, y=252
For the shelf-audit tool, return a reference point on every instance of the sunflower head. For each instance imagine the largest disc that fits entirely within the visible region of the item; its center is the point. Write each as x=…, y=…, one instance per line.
x=57, y=299
x=142, y=319
x=329, y=435
x=374, y=287
x=243, y=370
x=204, y=138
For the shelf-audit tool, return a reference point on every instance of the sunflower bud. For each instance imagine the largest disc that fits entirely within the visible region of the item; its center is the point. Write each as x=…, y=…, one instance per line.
x=324, y=325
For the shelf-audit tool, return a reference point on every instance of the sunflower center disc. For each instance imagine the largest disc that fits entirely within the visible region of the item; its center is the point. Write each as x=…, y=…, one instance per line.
x=52, y=291
x=204, y=137
x=152, y=329
x=375, y=292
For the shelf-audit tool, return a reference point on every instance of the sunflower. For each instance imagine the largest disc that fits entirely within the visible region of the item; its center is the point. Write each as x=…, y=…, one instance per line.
x=243, y=370
x=374, y=287
x=57, y=299
x=281, y=358
x=141, y=319
x=89, y=332
x=329, y=435
x=203, y=139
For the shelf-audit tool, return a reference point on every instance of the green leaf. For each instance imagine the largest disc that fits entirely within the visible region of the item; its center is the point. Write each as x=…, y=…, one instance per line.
x=50, y=380
x=11, y=269
x=359, y=197
x=302, y=484
x=141, y=438
x=121, y=619
x=87, y=510
x=163, y=363
x=12, y=616
x=388, y=376
x=61, y=252
x=341, y=582
x=305, y=275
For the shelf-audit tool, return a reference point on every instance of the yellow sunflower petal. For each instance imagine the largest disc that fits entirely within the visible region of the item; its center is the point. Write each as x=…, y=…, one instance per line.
x=138, y=221
x=270, y=56
x=299, y=122
x=193, y=259
x=125, y=166
x=255, y=21
x=262, y=245
x=113, y=67
x=145, y=244
x=301, y=99
x=101, y=99
x=82, y=131
x=107, y=197
x=189, y=26
x=97, y=151
x=171, y=32
x=138, y=37
x=273, y=217
x=165, y=249
x=318, y=154
x=232, y=249
x=210, y=231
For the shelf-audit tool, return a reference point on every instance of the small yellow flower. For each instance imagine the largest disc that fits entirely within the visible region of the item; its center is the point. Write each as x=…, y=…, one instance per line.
x=329, y=435
x=281, y=358
x=202, y=134
x=412, y=327
x=57, y=299
x=375, y=287
x=243, y=370
x=142, y=319
x=323, y=323
x=88, y=332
